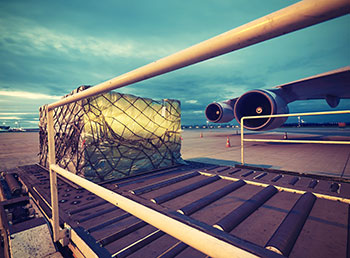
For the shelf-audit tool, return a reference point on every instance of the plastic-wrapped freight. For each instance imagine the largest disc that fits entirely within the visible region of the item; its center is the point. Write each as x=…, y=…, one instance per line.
x=114, y=135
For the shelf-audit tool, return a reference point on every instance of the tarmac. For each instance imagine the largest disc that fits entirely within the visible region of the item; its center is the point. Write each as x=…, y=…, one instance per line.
x=321, y=159
x=17, y=149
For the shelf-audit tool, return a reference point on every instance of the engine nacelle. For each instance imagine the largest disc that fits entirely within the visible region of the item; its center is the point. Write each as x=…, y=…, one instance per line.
x=219, y=112
x=261, y=102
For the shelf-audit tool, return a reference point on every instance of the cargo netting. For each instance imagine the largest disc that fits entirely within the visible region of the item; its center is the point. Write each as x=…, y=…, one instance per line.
x=113, y=135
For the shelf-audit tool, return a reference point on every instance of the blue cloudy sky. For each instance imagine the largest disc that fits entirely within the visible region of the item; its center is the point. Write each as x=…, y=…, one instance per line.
x=48, y=48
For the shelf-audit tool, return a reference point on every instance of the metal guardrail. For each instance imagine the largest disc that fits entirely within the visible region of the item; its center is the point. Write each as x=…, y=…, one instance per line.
x=289, y=19
x=284, y=140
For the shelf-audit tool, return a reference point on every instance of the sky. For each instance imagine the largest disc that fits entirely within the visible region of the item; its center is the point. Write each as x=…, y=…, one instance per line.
x=48, y=48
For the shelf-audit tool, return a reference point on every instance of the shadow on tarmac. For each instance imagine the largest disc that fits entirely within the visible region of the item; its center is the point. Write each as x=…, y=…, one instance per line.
x=223, y=162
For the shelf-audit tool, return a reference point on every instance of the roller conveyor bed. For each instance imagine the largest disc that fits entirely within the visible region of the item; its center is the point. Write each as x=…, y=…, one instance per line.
x=266, y=213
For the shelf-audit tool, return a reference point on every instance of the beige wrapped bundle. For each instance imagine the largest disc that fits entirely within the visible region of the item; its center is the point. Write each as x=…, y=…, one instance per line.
x=114, y=135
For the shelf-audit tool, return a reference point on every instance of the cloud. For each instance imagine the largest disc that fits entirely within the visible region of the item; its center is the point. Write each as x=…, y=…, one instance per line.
x=25, y=36
x=193, y=111
x=9, y=118
x=192, y=101
x=17, y=114
x=27, y=95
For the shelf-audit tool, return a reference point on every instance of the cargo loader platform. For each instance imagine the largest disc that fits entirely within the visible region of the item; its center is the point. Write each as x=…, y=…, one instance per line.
x=267, y=214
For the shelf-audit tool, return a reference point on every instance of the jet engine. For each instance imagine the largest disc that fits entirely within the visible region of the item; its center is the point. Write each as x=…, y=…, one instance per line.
x=260, y=103
x=251, y=103
x=220, y=112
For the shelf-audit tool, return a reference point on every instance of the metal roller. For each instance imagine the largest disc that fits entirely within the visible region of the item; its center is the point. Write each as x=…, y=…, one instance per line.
x=230, y=221
x=284, y=238
x=13, y=184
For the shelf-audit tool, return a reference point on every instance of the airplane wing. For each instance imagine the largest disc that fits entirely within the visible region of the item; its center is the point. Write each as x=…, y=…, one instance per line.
x=331, y=86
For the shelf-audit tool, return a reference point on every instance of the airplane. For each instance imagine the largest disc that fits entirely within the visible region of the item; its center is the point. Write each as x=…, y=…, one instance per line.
x=4, y=128
x=331, y=86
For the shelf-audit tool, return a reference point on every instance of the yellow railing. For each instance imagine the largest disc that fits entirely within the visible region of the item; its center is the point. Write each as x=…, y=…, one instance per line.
x=285, y=140
x=289, y=19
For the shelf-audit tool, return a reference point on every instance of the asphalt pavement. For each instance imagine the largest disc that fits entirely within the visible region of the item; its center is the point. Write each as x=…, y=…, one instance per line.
x=322, y=159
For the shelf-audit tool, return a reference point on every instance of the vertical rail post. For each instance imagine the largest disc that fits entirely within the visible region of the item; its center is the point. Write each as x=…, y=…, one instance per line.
x=242, y=141
x=53, y=175
x=58, y=234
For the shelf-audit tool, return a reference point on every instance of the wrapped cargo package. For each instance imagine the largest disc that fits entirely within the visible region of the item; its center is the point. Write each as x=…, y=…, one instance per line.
x=114, y=135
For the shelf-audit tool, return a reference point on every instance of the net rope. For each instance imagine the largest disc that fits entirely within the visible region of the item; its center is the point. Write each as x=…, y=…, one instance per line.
x=113, y=135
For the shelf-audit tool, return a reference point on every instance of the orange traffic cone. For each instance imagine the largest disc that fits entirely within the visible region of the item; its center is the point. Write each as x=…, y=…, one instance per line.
x=201, y=135
x=228, y=144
